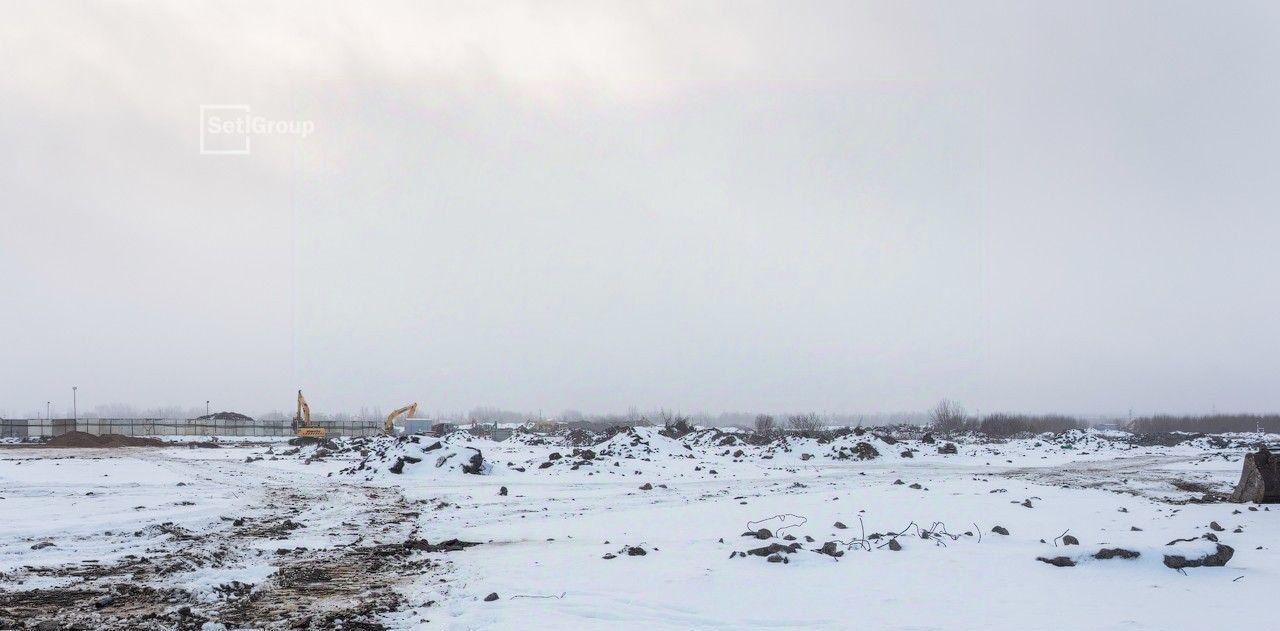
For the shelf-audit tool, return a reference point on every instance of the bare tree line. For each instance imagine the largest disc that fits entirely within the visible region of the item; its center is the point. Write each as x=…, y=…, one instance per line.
x=1210, y=423
x=946, y=416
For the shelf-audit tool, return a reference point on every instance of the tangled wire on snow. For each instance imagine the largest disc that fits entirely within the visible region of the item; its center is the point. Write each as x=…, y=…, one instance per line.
x=937, y=532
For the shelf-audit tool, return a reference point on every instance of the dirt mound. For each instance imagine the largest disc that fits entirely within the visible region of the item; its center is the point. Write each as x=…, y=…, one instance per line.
x=84, y=439
x=120, y=440
x=226, y=416
x=401, y=455
x=74, y=439
x=1164, y=439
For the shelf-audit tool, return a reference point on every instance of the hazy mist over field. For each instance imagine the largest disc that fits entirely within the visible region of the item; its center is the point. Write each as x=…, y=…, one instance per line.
x=836, y=207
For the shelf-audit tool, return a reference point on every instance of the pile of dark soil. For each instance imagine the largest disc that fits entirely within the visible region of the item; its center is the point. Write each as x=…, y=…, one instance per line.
x=84, y=439
x=226, y=416
x=1163, y=439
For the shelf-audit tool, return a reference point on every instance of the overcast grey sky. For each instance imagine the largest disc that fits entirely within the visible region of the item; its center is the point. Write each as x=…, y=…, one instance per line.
x=839, y=206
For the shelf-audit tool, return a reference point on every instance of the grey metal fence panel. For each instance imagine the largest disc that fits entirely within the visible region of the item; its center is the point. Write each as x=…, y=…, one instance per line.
x=47, y=428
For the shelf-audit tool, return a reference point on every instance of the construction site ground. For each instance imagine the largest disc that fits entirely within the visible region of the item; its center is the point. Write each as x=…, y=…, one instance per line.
x=261, y=535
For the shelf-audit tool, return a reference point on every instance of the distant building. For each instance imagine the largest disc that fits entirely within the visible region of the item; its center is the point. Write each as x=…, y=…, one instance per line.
x=492, y=431
x=417, y=425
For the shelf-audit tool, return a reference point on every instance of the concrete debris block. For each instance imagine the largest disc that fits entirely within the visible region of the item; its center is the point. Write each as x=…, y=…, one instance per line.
x=1216, y=527
x=646, y=487
x=491, y=597
x=502, y=491
x=947, y=448
x=764, y=533
x=1115, y=553
x=831, y=549
x=894, y=545
x=1218, y=558
x=1070, y=540
x=774, y=548
x=1000, y=530
x=1058, y=561
x=474, y=464
x=1259, y=479
x=840, y=525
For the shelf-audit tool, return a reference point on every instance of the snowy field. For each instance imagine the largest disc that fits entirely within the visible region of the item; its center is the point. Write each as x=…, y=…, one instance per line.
x=265, y=535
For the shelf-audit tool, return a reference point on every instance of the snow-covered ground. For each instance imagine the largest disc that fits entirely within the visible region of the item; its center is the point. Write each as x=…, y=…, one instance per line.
x=316, y=536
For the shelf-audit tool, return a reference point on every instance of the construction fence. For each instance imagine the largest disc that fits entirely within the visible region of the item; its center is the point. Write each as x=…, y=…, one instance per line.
x=48, y=428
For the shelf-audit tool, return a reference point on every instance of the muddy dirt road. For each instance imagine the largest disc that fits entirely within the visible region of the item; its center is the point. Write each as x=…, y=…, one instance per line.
x=238, y=544
x=1166, y=479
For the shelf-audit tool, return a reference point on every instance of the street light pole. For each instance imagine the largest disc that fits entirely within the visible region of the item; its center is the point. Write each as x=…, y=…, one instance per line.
x=75, y=415
x=48, y=407
x=206, y=408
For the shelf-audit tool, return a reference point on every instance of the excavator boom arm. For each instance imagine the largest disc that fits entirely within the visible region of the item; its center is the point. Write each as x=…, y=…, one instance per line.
x=407, y=410
x=303, y=416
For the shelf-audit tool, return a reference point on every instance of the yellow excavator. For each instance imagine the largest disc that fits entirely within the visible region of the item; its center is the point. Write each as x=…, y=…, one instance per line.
x=407, y=411
x=302, y=421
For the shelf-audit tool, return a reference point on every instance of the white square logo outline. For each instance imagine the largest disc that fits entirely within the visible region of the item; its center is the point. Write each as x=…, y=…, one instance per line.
x=239, y=107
